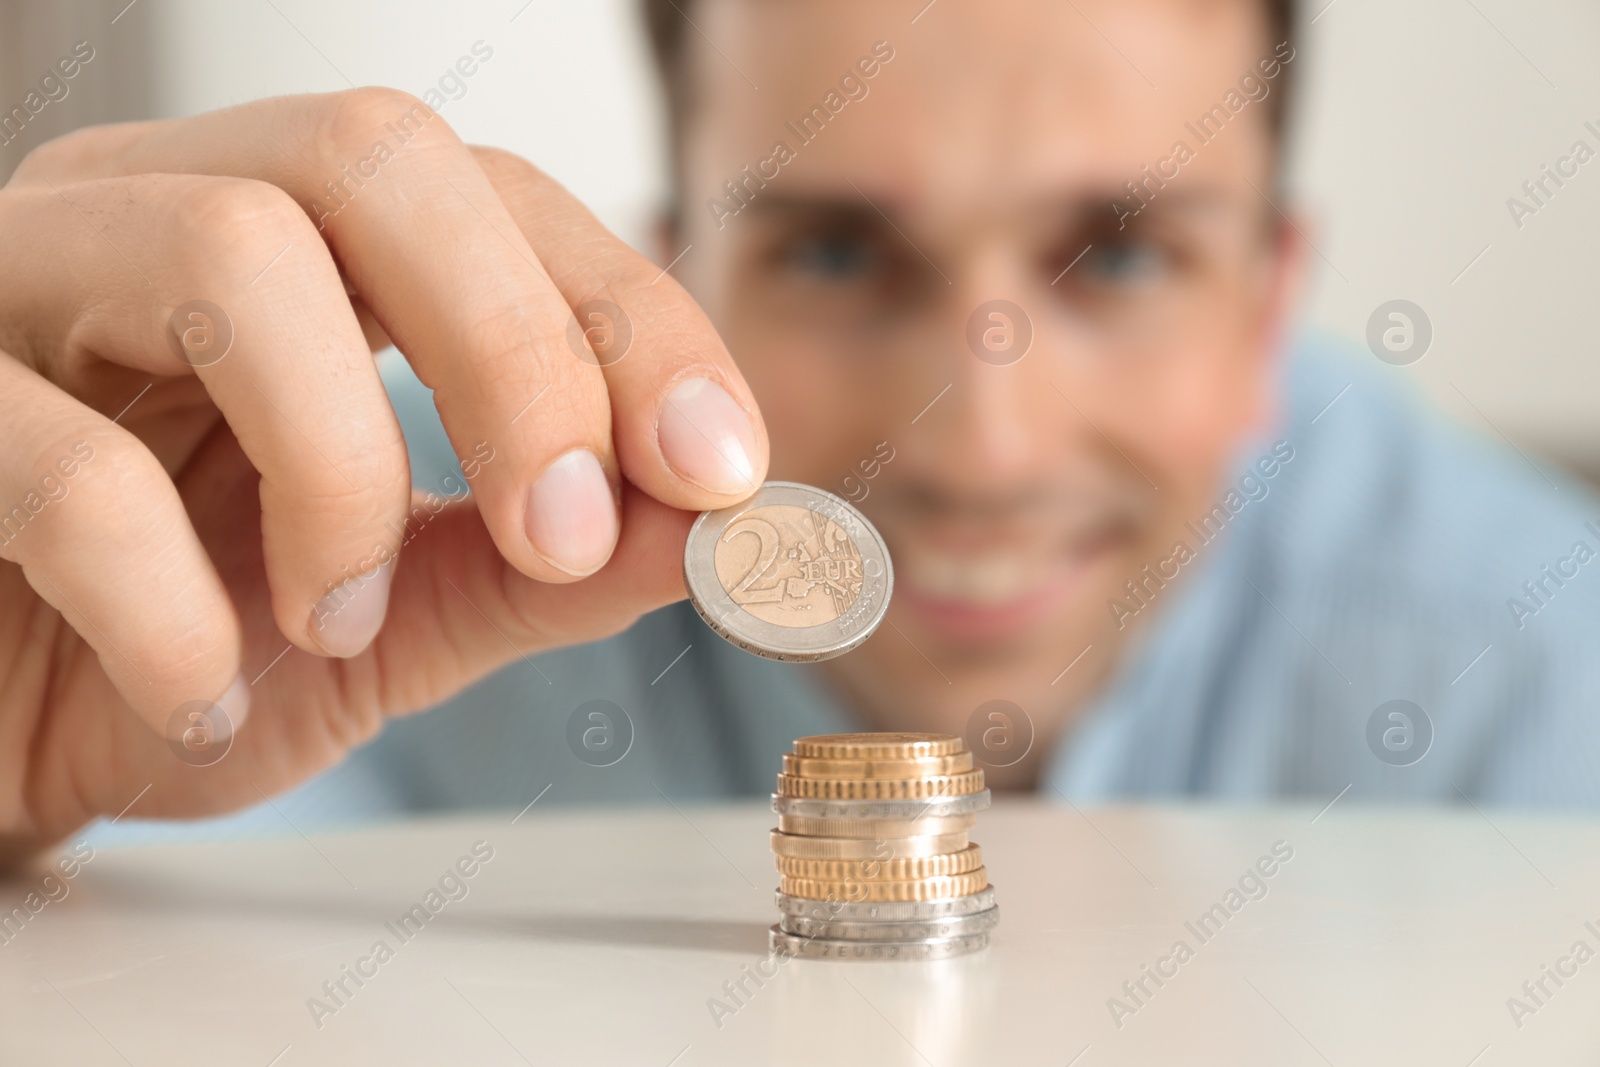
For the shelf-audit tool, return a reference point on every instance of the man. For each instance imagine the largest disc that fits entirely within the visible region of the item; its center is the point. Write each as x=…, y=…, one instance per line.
x=980, y=273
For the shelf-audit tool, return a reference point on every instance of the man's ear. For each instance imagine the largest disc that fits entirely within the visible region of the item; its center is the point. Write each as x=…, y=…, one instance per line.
x=1282, y=285
x=664, y=236
x=1285, y=283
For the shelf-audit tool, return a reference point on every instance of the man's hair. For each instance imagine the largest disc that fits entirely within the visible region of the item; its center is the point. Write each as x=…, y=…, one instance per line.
x=667, y=22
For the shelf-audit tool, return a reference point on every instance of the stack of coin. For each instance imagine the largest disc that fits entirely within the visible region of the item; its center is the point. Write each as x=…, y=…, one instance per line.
x=872, y=849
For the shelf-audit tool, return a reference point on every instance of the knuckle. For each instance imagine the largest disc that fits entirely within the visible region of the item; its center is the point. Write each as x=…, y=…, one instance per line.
x=386, y=467
x=511, y=339
x=117, y=464
x=44, y=160
x=628, y=273
x=353, y=119
x=382, y=473
x=361, y=489
x=63, y=490
x=507, y=167
x=236, y=218
x=179, y=650
x=371, y=481
x=60, y=155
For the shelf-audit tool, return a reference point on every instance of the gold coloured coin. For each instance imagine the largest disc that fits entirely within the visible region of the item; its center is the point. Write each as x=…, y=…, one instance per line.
x=878, y=746
x=933, y=888
x=855, y=848
x=927, y=767
x=944, y=785
x=874, y=829
x=880, y=869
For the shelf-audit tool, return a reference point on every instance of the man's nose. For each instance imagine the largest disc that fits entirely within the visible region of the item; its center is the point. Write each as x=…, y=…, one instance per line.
x=1003, y=419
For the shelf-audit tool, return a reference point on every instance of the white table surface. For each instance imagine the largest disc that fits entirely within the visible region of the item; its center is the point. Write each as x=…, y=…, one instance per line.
x=600, y=937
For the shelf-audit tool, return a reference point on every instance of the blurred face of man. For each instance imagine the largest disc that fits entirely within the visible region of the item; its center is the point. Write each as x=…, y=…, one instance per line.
x=853, y=279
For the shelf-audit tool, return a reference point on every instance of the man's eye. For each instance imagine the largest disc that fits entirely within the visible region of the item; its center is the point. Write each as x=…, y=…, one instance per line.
x=1124, y=263
x=834, y=258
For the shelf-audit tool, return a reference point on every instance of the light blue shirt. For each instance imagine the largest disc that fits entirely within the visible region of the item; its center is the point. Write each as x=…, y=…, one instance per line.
x=1391, y=556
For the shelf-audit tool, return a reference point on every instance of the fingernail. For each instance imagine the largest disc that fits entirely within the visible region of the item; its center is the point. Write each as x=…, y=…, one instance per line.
x=235, y=703
x=572, y=517
x=349, y=616
x=707, y=437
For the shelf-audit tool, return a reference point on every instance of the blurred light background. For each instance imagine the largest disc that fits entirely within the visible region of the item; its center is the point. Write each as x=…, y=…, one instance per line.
x=1418, y=119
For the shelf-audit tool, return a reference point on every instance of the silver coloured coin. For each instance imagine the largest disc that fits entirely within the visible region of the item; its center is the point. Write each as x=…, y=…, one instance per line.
x=840, y=930
x=793, y=573
x=864, y=850
x=886, y=911
x=874, y=829
x=931, y=808
x=818, y=948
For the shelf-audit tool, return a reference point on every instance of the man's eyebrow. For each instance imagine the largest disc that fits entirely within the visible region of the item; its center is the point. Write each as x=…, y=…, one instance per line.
x=1199, y=198
x=829, y=207
x=1084, y=207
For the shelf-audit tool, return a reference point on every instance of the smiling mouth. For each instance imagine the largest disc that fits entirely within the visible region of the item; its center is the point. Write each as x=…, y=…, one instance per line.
x=995, y=594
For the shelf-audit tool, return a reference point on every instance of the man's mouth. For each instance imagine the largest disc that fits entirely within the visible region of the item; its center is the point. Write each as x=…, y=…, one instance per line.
x=986, y=594
x=979, y=579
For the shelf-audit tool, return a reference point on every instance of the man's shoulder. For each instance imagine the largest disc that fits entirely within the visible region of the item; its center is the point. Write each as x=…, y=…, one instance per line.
x=1393, y=556
x=1384, y=490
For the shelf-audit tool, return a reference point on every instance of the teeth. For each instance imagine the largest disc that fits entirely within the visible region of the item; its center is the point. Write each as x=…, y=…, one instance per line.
x=988, y=579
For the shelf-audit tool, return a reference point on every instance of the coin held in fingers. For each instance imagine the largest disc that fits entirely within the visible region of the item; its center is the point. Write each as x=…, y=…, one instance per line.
x=793, y=573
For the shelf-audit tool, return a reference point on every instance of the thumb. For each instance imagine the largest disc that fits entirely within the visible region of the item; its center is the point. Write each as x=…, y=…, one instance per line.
x=458, y=610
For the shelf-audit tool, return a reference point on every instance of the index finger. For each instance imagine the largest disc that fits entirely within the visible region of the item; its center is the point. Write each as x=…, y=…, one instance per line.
x=685, y=422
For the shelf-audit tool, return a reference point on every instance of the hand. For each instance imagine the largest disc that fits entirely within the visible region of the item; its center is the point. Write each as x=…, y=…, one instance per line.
x=172, y=521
